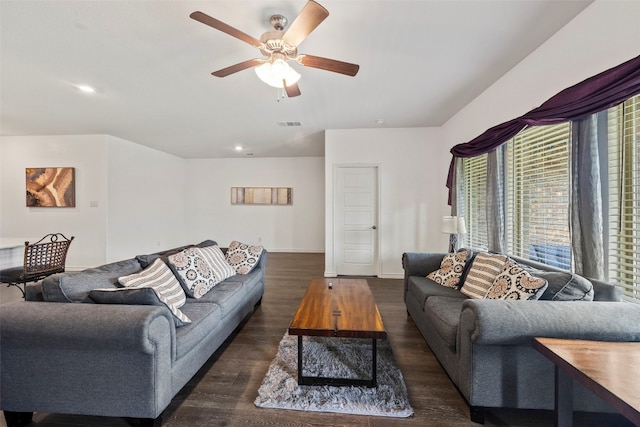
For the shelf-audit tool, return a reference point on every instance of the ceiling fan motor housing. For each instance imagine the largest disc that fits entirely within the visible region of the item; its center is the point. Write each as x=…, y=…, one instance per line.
x=272, y=43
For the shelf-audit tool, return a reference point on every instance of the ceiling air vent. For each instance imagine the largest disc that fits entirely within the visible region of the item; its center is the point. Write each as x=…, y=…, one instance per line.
x=289, y=124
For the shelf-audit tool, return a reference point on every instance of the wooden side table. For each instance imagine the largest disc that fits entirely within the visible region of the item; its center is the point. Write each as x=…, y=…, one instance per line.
x=611, y=370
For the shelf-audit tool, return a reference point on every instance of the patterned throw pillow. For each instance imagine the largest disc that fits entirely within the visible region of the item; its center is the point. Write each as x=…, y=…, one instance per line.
x=242, y=257
x=159, y=277
x=200, y=269
x=515, y=283
x=484, y=270
x=451, y=268
x=155, y=285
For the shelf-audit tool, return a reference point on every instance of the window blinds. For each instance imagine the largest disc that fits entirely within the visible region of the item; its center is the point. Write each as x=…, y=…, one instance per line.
x=624, y=196
x=475, y=199
x=537, y=195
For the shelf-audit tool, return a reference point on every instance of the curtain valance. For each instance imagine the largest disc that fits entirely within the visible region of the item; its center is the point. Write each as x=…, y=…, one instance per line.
x=597, y=93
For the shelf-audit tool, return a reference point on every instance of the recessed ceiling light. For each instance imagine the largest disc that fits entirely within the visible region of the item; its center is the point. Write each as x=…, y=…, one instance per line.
x=86, y=88
x=379, y=121
x=238, y=148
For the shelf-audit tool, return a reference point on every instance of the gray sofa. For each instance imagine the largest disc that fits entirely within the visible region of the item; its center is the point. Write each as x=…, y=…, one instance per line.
x=485, y=345
x=112, y=360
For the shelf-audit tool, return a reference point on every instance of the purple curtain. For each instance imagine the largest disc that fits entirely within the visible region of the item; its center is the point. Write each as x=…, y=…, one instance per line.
x=590, y=96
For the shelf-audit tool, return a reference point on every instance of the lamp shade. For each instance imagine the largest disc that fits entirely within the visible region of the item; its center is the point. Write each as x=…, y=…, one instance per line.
x=453, y=225
x=274, y=73
x=462, y=227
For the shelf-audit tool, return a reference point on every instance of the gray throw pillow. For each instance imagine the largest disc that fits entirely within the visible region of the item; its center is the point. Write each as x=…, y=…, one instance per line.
x=75, y=287
x=147, y=259
x=137, y=296
x=565, y=286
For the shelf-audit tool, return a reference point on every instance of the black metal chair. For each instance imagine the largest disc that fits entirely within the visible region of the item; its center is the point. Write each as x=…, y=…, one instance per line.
x=41, y=259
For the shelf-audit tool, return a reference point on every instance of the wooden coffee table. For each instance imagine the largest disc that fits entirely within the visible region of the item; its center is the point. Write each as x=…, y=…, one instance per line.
x=611, y=370
x=342, y=308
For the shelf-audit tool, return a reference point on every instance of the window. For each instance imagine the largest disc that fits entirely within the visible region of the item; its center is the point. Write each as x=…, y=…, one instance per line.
x=624, y=196
x=475, y=201
x=536, y=183
x=537, y=195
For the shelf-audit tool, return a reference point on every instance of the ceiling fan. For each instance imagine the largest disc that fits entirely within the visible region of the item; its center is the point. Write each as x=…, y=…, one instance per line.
x=279, y=47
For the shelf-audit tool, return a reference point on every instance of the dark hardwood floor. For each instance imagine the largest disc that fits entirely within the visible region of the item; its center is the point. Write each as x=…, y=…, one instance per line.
x=223, y=391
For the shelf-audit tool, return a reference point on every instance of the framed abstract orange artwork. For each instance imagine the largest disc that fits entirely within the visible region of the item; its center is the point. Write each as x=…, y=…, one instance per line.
x=51, y=187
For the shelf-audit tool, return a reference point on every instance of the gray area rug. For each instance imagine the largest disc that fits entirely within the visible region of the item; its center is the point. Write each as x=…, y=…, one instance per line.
x=335, y=357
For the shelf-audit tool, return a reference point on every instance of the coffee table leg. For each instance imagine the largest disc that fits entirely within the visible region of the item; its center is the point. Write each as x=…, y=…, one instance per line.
x=373, y=382
x=564, y=399
x=300, y=379
x=374, y=357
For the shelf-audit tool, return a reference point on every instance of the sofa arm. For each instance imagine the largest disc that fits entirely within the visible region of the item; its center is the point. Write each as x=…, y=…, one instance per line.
x=491, y=322
x=262, y=262
x=81, y=326
x=98, y=359
x=421, y=263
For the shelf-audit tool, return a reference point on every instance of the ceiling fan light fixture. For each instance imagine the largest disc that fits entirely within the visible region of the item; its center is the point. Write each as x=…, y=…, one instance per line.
x=274, y=73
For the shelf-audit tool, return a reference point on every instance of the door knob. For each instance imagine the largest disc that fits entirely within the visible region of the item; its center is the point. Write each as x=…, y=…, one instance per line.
x=373, y=227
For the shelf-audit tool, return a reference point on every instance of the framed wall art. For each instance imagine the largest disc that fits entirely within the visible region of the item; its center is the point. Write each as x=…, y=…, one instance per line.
x=51, y=187
x=261, y=195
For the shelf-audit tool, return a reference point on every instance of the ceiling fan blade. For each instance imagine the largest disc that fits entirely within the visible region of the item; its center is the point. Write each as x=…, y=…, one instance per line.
x=292, y=90
x=311, y=15
x=225, y=28
x=329, y=64
x=238, y=67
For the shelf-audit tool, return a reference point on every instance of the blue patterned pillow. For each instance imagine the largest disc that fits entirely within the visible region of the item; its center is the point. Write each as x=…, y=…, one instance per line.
x=199, y=269
x=242, y=257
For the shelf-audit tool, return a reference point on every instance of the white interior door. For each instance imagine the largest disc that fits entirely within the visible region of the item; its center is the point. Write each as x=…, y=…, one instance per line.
x=356, y=220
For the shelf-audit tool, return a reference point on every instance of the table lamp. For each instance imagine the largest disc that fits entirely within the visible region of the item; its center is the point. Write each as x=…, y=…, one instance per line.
x=453, y=225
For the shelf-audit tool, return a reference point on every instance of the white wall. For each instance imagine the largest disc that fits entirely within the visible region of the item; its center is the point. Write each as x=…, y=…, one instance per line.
x=604, y=35
x=146, y=194
x=129, y=198
x=140, y=191
x=295, y=228
x=412, y=172
x=88, y=155
x=145, y=200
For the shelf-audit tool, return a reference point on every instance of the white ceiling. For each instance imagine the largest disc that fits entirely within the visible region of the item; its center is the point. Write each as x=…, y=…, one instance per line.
x=420, y=63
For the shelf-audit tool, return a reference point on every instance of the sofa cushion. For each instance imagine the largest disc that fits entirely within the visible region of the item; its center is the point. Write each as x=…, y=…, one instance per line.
x=451, y=269
x=139, y=296
x=484, y=269
x=242, y=257
x=422, y=288
x=515, y=283
x=565, y=286
x=159, y=277
x=444, y=314
x=228, y=295
x=200, y=269
x=205, y=319
x=75, y=287
x=146, y=260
